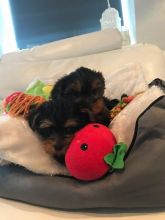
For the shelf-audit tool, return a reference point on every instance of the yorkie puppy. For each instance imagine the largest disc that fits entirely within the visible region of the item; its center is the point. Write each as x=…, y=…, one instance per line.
x=76, y=100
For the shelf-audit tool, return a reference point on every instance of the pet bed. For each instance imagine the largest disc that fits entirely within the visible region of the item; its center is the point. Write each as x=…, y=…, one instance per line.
x=142, y=176
x=141, y=184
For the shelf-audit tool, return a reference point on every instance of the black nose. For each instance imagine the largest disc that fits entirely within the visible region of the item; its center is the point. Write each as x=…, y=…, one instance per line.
x=58, y=146
x=103, y=117
x=106, y=121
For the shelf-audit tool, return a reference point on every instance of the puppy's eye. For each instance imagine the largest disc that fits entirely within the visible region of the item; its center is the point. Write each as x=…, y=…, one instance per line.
x=46, y=128
x=76, y=93
x=71, y=129
x=46, y=124
x=97, y=93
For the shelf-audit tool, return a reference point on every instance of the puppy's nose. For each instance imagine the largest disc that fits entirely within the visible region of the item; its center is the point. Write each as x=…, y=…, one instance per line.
x=106, y=112
x=58, y=146
x=103, y=117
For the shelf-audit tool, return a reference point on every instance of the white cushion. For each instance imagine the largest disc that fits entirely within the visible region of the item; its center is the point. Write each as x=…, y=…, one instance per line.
x=17, y=75
x=128, y=80
x=96, y=42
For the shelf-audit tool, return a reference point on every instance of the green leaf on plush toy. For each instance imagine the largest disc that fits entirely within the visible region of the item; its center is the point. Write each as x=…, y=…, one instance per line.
x=116, y=159
x=36, y=89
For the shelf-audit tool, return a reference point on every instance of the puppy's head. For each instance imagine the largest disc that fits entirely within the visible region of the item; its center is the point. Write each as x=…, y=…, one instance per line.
x=81, y=91
x=40, y=119
x=83, y=86
x=55, y=129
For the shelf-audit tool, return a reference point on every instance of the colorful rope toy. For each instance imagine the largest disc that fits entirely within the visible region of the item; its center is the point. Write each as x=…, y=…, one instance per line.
x=18, y=103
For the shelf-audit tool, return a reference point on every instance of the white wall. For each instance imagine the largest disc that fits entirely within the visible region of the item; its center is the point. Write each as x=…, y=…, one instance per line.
x=7, y=35
x=150, y=21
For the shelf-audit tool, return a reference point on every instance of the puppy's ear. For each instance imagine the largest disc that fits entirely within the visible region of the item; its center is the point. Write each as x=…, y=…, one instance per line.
x=70, y=89
x=33, y=114
x=33, y=107
x=58, y=88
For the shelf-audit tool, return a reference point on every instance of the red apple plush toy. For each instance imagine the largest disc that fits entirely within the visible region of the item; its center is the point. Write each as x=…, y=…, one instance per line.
x=93, y=152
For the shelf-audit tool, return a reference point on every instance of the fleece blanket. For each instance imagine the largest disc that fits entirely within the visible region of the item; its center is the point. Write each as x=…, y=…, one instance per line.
x=19, y=145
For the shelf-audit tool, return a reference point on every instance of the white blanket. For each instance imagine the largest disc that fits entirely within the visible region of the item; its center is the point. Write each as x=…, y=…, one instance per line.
x=19, y=145
x=123, y=125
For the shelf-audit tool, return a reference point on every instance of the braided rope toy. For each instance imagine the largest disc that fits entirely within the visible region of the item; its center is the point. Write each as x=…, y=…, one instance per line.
x=18, y=103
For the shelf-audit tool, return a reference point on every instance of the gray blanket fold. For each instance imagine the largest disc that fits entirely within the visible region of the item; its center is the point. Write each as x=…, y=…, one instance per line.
x=140, y=185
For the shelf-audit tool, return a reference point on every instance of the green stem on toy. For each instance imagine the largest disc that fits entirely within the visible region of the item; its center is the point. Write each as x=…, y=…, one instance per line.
x=116, y=158
x=37, y=89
